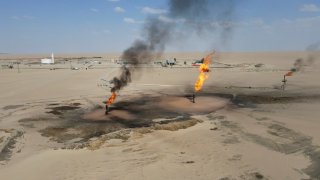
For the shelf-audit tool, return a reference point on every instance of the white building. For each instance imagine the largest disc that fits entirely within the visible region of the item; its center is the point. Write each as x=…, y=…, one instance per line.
x=47, y=60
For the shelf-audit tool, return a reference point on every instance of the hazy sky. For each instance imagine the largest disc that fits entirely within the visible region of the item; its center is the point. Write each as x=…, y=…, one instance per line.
x=88, y=26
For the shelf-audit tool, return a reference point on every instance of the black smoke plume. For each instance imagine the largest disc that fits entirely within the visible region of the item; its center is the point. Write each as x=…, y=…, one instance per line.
x=300, y=63
x=183, y=17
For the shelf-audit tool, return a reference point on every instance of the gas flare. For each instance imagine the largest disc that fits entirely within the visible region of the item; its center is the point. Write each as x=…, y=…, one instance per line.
x=284, y=81
x=289, y=73
x=111, y=99
x=203, y=69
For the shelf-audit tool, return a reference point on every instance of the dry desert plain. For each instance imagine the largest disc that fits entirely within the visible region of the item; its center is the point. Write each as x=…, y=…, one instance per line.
x=241, y=126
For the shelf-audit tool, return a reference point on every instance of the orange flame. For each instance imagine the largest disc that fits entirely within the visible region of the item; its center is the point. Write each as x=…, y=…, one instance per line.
x=289, y=73
x=203, y=69
x=111, y=98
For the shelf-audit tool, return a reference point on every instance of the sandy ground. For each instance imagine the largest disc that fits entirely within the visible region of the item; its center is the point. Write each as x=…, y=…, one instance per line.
x=242, y=125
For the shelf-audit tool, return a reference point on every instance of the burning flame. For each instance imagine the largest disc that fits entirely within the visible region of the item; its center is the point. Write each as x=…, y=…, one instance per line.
x=111, y=98
x=203, y=69
x=289, y=73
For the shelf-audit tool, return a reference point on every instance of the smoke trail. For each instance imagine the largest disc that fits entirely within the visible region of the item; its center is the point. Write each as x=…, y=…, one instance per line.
x=123, y=80
x=311, y=49
x=205, y=16
x=300, y=63
x=188, y=16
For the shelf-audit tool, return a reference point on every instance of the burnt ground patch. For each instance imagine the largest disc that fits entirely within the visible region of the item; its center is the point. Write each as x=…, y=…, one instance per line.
x=66, y=123
x=12, y=107
x=247, y=176
x=58, y=110
x=254, y=99
x=53, y=104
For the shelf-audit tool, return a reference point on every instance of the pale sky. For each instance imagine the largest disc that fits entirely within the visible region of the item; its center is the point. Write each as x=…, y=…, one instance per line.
x=102, y=26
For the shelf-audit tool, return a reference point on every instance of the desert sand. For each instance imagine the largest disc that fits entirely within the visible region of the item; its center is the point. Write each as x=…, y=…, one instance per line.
x=241, y=126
